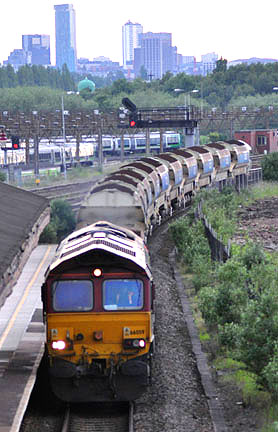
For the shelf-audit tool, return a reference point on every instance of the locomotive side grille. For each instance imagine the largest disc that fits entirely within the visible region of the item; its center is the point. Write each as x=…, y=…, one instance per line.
x=100, y=241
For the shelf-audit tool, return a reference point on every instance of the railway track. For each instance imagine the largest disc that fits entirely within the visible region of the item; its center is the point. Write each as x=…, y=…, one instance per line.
x=176, y=388
x=73, y=193
x=98, y=418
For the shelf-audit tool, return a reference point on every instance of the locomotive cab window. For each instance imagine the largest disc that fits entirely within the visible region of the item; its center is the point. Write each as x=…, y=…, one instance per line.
x=72, y=295
x=122, y=294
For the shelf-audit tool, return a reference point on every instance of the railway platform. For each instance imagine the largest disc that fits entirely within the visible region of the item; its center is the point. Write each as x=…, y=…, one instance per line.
x=22, y=339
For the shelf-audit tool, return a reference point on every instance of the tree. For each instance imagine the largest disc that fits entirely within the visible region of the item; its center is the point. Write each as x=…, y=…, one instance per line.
x=221, y=65
x=11, y=76
x=67, y=79
x=143, y=73
x=270, y=167
x=62, y=222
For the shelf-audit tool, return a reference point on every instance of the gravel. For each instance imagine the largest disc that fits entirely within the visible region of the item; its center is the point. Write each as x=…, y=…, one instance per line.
x=176, y=399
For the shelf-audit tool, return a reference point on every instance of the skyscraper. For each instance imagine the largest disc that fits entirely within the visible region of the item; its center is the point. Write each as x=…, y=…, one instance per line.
x=131, y=40
x=65, y=30
x=156, y=54
x=37, y=48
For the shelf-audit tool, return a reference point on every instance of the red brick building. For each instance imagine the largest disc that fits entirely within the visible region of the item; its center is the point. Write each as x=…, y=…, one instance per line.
x=261, y=140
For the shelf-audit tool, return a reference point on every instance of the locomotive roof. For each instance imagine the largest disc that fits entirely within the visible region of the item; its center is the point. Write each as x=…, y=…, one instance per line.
x=106, y=237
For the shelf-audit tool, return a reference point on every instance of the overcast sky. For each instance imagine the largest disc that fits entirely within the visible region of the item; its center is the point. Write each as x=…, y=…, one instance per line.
x=233, y=30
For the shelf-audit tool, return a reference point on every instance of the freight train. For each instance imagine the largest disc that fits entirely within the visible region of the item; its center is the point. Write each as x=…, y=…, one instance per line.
x=98, y=294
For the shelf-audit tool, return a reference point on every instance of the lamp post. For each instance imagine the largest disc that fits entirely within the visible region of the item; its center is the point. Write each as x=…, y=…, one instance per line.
x=177, y=90
x=77, y=134
x=275, y=89
x=64, y=139
x=186, y=109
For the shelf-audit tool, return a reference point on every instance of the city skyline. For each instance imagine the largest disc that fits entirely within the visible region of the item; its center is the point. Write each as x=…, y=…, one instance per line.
x=242, y=31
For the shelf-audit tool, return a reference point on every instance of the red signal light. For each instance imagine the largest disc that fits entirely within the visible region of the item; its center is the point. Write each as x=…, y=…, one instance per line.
x=132, y=123
x=15, y=142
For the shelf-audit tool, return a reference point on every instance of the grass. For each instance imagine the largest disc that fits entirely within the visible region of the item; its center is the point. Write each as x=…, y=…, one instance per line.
x=264, y=190
x=50, y=178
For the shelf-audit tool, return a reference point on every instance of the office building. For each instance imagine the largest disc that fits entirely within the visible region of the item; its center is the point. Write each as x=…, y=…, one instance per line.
x=65, y=30
x=156, y=55
x=37, y=49
x=17, y=58
x=208, y=63
x=99, y=66
x=130, y=40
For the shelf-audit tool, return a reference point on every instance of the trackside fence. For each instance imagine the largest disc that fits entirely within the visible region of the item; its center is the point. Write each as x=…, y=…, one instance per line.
x=220, y=251
x=255, y=175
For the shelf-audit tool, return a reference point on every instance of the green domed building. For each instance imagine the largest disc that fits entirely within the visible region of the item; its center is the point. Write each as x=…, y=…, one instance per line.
x=86, y=84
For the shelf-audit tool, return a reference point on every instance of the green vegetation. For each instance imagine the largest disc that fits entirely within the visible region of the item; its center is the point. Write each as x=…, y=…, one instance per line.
x=270, y=167
x=241, y=85
x=62, y=222
x=238, y=299
x=2, y=176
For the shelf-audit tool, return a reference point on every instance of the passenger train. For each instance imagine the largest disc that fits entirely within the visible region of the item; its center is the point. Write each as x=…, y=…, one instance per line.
x=50, y=151
x=98, y=294
x=137, y=144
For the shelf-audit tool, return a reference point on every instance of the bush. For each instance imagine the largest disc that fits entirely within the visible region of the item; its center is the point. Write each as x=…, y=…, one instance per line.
x=190, y=239
x=258, y=331
x=227, y=335
x=62, y=222
x=270, y=373
x=270, y=166
x=49, y=234
x=203, y=271
x=225, y=306
x=252, y=254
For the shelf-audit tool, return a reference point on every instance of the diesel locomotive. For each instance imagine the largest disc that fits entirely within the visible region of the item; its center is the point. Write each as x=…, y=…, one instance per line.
x=98, y=299
x=98, y=294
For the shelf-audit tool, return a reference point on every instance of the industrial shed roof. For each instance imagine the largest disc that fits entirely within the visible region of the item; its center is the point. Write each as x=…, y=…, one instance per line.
x=19, y=212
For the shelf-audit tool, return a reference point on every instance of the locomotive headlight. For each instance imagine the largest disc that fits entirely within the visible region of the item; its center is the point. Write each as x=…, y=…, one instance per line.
x=134, y=343
x=97, y=272
x=58, y=345
x=142, y=343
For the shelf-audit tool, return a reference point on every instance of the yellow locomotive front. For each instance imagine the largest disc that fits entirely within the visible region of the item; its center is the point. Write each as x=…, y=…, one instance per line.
x=98, y=307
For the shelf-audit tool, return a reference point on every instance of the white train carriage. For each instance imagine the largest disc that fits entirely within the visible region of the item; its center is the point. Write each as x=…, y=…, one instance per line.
x=190, y=173
x=205, y=165
x=240, y=156
x=221, y=160
x=176, y=178
x=163, y=202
